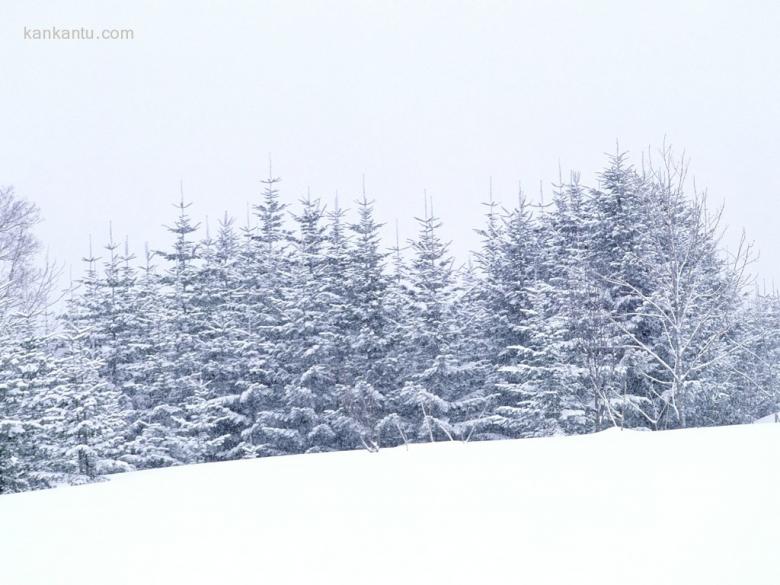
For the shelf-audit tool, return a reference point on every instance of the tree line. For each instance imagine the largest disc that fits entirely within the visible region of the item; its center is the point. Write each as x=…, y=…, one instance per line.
x=612, y=305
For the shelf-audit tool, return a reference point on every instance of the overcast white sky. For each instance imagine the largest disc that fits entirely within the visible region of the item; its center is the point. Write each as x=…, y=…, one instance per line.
x=415, y=95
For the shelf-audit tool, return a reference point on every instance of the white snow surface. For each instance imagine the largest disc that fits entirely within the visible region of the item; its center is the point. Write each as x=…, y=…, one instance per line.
x=693, y=506
x=770, y=418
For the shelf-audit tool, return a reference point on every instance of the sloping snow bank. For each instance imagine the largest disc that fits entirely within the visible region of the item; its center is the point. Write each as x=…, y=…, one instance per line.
x=694, y=506
x=770, y=418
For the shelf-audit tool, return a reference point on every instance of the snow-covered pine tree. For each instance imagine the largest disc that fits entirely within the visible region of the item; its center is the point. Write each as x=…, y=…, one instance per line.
x=314, y=336
x=617, y=213
x=82, y=415
x=265, y=267
x=86, y=415
x=220, y=410
x=473, y=388
x=366, y=370
x=110, y=322
x=181, y=279
x=12, y=474
x=24, y=362
x=430, y=381
x=160, y=430
x=151, y=434
x=491, y=261
x=508, y=262
x=391, y=426
x=753, y=369
x=145, y=328
x=549, y=374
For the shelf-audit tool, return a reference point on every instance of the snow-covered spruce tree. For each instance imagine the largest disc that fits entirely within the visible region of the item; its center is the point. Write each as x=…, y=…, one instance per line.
x=398, y=311
x=753, y=369
x=508, y=264
x=491, y=261
x=132, y=314
x=311, y=343
x=150, y=439
x=218, y=411
x=81, y=413
x=201, y=412
x=474, y=388
x=111, y=320
x=86, y=415
x=265, y=265
x=160, y=436
x=12, y=473
x=181, y=281
x=24, y=362
x=118, y=321
x=344, y=416
x=145, y=326
x=39, y=377
x=367, y=368
x=548, y=374
x=430, y=383
x=617, y=215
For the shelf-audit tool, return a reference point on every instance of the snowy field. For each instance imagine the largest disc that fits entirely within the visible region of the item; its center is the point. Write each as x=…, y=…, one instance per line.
x=694, y=506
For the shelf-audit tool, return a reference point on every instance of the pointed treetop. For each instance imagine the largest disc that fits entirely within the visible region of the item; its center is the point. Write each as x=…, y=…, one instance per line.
x=271, y=180
x=90, y=259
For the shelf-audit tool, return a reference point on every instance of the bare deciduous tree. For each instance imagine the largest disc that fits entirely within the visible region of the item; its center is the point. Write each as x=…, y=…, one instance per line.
x=694, y=292
x=25, y=283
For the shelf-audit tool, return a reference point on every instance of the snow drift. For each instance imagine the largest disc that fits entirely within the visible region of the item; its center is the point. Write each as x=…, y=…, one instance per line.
x=694, y=506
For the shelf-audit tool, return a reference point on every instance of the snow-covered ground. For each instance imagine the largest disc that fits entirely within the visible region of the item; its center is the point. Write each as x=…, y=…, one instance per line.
x=694, y=506
x=770, y=418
